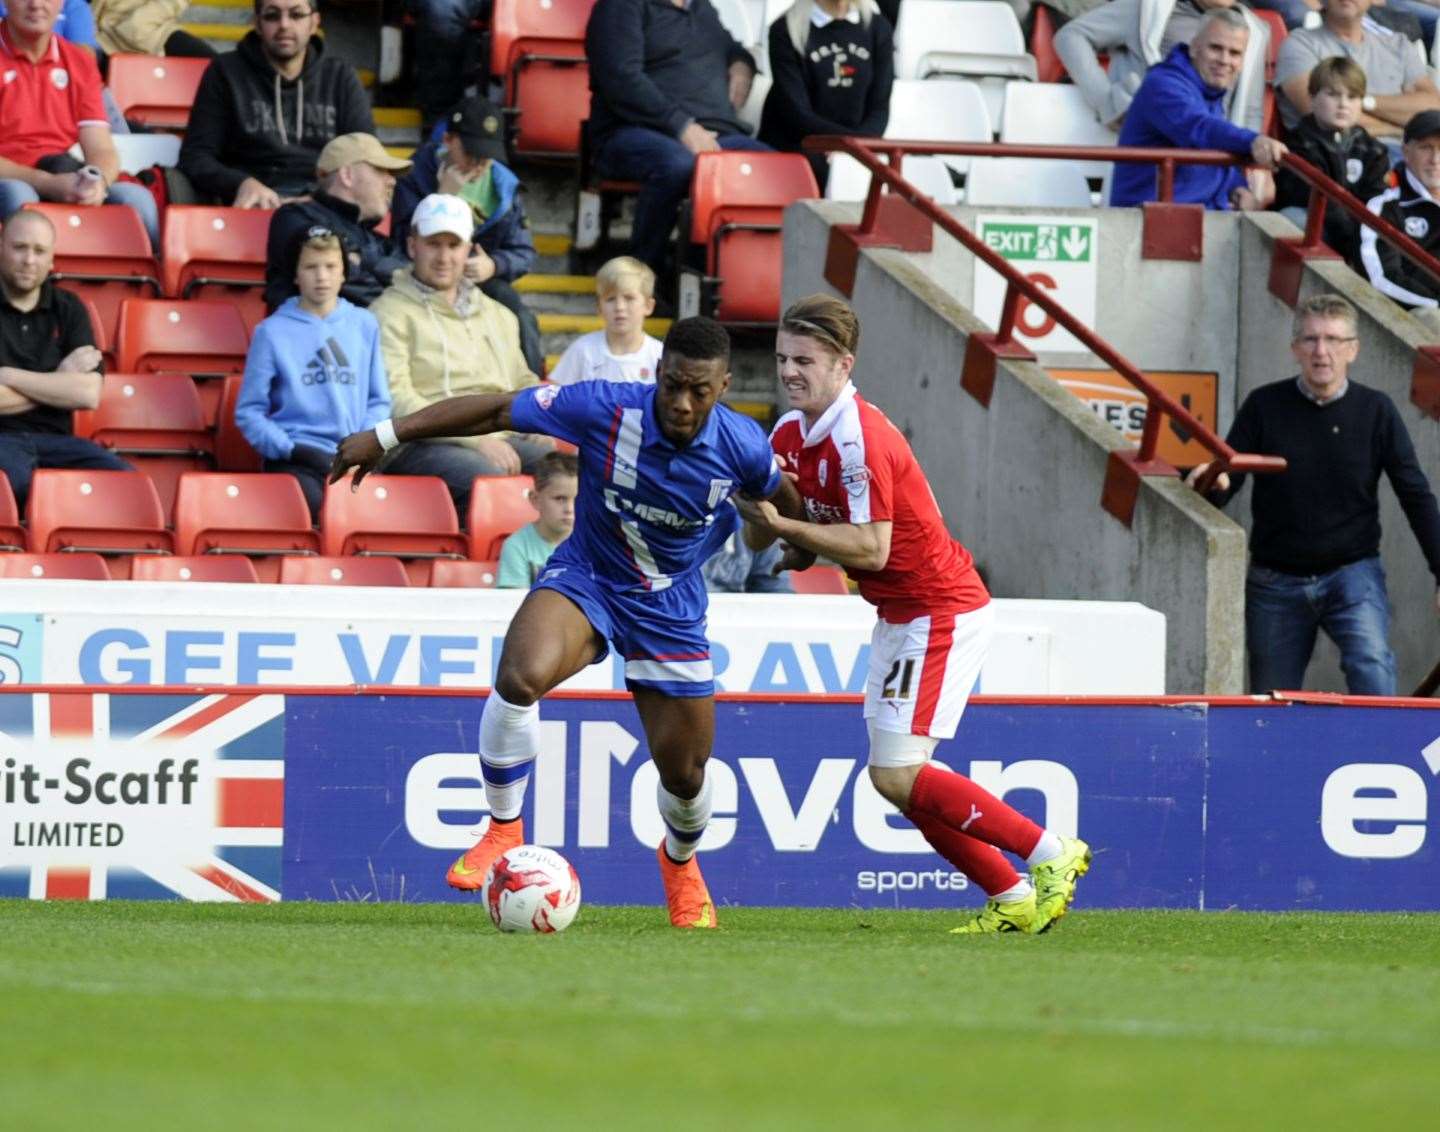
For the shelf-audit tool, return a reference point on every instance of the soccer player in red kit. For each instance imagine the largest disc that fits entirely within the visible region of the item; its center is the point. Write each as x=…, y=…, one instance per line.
x=871, y=510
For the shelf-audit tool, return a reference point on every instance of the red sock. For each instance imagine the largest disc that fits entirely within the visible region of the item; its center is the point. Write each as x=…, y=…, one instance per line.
x=969, y=808
x=983, y=864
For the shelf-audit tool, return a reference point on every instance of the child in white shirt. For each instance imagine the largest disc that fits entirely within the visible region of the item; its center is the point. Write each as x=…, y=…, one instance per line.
x=625, y=290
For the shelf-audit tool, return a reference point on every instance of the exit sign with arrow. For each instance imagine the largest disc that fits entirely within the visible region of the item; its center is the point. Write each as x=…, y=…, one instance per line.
x=1060, y=254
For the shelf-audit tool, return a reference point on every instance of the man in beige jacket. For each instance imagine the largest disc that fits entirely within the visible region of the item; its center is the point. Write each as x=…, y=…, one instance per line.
x=442, y=337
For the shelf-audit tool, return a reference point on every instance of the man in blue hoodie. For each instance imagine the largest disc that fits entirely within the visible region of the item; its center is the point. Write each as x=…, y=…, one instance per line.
x=1181, y=104
x=465, y=157
x=314, y=373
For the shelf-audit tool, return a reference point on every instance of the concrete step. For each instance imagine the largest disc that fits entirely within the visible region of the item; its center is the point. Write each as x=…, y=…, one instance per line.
x=558, y=294
x=586, y=323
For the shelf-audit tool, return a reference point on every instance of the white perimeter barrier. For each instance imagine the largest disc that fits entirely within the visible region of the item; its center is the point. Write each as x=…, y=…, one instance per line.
x=67, y=632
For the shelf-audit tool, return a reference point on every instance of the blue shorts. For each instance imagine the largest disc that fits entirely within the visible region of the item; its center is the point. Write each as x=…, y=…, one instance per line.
x=661, y=635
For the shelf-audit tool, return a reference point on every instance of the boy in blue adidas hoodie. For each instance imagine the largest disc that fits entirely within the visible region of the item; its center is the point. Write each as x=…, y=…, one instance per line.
x=314, y=374
x=1181, y=105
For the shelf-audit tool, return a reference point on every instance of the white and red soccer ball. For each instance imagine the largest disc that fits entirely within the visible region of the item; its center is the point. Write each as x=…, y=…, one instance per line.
x=531, y=889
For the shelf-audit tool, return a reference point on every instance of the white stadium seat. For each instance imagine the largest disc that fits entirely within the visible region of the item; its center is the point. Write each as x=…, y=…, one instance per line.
x=140, y=151
x=1022, y=182
x=977, y=39
x=849, y=180
x=1054, y=114
x=735, y=16
x=940, y=110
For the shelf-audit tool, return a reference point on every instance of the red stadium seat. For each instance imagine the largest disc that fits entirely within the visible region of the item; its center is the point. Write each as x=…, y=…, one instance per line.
x=1048, y=67
x=380, y=570
x=819, y=580
x=156, y=422
x=737, y=200
x=537, y=49
x=204, y=339
x=499, y=506
x=411, y=517
x=12, y=535
x=217, y=253
x=116, y=514
x=157, y=90
x=262, y=516
x=102, y=254
x=195, y=568
x=453, y=573
x=232, y=451
x=83, y=565
x=102, y=335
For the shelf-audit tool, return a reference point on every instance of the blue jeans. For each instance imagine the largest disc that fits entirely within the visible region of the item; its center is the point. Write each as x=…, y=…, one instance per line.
x=15, y=194
x=458, y=465
x=1283, y=612
x=22, y=452
x=663, y=166
x=1427, y=16
x=1291, y=11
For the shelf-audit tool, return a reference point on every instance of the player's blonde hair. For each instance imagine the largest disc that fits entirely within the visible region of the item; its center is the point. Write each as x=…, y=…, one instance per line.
x=615, y=273
x=828, y=320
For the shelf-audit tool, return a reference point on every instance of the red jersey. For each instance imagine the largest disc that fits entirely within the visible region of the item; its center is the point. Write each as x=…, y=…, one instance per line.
x=856, y=467
x=44, y=104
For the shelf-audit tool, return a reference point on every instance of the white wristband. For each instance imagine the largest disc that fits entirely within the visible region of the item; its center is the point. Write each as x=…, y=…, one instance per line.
x=385, y=434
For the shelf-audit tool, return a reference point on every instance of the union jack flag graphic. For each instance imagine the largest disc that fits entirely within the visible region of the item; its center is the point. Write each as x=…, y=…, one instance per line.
x=141, y=796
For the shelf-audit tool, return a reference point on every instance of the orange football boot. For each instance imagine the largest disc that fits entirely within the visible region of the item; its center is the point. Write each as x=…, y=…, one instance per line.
x=468, y=871
x=686, y=896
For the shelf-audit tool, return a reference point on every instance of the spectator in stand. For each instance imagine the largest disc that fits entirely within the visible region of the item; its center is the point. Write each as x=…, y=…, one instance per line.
x=1329, y=138
x=49, y=365
x=1411, y=204
x=833, y=66
x=1293, y=12
x=666, y=83
x=265, y=111
x=146, y=27
x=357, y=182
x=1398, y=85
x=622, y=351
x=50, y=100
x=524, y=554
x=443, y=33
x=444, y=337
x=736, y=569
x=1315, y=542
x=1181, y=104
x=1138, y=34
x=75, y=21
x=315, y=372
x=466, y=158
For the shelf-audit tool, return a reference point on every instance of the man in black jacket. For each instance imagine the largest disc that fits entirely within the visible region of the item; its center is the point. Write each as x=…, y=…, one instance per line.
x=666, y=82
x=264, y=111
x=1412, y=204
x=1315, y=542
x=357, y=184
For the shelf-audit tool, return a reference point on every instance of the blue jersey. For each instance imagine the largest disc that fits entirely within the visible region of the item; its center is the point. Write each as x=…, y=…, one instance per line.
x=648, y=514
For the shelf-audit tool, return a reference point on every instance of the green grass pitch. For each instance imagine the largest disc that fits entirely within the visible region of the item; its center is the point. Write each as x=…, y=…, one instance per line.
x=359, y=1016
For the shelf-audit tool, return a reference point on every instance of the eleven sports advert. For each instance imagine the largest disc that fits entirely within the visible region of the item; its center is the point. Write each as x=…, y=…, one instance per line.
x=263, y=796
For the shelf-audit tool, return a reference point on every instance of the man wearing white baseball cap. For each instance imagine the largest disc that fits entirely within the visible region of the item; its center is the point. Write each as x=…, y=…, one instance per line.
x=443, y=337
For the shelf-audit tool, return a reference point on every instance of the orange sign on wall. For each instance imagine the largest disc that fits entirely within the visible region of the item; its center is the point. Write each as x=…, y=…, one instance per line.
x=1119, y=403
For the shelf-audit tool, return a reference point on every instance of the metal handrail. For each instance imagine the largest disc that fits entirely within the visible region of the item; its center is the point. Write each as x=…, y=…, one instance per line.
x=1159, y=403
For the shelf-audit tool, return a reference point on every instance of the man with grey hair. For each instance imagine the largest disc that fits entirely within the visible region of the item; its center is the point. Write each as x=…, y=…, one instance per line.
x=1138, y=34
x=1181, y=104
x=1315, y=542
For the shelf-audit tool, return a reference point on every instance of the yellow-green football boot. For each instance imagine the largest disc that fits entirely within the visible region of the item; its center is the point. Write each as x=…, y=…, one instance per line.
x=1011, y=916
x=1055, y=881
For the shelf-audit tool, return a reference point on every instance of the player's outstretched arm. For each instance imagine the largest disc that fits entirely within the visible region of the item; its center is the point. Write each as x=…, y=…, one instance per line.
x=472, y=415
x=786, y=500
x=863, y=546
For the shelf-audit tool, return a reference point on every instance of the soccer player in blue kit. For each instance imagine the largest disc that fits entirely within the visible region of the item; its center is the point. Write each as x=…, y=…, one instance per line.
x=658, y=465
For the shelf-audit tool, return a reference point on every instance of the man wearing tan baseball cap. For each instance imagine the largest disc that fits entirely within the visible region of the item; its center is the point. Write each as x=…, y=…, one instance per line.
x=356, y=183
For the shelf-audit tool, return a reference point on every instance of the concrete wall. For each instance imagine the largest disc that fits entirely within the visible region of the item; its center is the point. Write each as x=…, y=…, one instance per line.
x=1020, y=482
x=1388, y=337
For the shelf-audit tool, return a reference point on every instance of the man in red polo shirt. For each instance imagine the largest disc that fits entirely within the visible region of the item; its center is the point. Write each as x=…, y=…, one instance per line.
x=50, y=98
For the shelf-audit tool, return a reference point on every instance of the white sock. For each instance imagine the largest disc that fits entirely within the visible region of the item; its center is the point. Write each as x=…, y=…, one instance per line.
x=509, y=742
x=685, y=819
x=1018, y=891
x=1046, y=849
